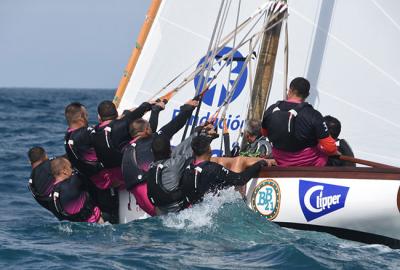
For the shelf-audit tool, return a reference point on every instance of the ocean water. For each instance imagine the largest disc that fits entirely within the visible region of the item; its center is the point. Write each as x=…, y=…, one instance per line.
x=221, y=233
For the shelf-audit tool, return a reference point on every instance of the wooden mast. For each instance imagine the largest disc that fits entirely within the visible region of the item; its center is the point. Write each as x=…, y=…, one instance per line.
x=148, y=22
x=264, y=72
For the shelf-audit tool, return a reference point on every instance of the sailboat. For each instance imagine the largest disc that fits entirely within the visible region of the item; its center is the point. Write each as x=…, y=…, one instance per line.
x=347, y=49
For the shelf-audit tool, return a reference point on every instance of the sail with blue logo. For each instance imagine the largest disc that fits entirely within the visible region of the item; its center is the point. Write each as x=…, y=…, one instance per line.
x=177, y=44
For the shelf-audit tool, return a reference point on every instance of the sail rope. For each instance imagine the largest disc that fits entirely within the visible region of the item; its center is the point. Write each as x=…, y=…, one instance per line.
x=209, y=59
x=256, y=16
x=225, y=129
x=267, y=27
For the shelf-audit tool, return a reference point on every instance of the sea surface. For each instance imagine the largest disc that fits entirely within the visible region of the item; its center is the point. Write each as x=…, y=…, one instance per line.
x=221, y=233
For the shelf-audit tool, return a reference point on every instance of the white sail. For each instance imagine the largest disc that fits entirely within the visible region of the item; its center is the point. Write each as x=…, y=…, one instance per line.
x=349, y=50
x=177, y=41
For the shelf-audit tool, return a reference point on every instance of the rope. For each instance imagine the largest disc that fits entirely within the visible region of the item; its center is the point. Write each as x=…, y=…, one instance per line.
x=256, y=15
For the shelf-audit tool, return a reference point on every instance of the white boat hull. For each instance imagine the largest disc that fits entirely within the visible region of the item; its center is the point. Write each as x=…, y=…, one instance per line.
x=126, y=213
x=366, y=210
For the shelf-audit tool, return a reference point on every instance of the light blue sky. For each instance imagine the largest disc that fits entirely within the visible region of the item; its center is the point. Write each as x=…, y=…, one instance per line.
x=67, y=43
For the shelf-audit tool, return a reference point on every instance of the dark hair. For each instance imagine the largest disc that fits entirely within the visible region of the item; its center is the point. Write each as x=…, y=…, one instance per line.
x=161, y=148
x=73, y=112
x=300, y=86
x=253, y=127
x=36, y=153
x=334, y=126
x=200, y=145
x=107, y=110
x=137, y=126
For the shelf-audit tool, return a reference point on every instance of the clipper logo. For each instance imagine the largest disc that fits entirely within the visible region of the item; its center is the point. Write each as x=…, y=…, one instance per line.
x=218, y=88
x=266, y=199
x=319, y=199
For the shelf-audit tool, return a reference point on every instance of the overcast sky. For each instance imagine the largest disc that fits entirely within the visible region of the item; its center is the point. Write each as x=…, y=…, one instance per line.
x=67, y=43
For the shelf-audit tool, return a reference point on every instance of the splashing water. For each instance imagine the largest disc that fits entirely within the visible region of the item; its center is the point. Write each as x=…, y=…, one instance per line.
x=201, y=215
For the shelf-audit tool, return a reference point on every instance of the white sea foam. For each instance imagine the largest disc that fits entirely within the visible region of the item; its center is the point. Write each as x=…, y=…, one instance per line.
x=201, y=215
x=65, y=227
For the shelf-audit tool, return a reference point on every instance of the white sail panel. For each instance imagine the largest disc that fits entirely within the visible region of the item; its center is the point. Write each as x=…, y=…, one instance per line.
x=349, y=52
x=178, y=39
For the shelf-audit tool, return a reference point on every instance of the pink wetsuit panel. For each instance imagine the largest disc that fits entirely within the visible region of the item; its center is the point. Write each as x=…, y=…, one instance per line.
x=310, y=156
x=107, y=178
x=95, y=216
x=140, y=193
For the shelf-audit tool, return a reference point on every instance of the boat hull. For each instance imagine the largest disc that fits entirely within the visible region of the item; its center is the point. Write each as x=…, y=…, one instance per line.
x=128, y=209
x=361, y=204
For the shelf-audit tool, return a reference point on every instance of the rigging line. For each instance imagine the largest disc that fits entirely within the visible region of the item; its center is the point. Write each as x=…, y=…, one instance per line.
x=242, y=43
x=348, y=47
x=226, y=40
x=233, y=46
x=193, y=74
x=214, y=51
x=250, y=86
x=390, y=18
x=229, y=97
x=206, y=60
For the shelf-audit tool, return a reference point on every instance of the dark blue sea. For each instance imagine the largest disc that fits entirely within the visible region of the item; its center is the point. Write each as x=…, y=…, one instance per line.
x=221, y=233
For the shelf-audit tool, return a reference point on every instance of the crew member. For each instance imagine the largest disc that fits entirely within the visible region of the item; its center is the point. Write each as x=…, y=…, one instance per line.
x=165, y=175
x=138, y=155
x=297, y=131
x=41, y=182
x=110, y=137
x=202, y=175
x=334, y=128
x=82, y=155
x=256, y=144
x=71, y=201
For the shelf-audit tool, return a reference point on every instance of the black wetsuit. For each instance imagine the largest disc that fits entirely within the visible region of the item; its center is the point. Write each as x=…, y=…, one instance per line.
x=80, y=151
x=70, y=195
x=138, y=156
x=345, y=149
x=309, y=126
x=207, y=176
x=41, y=184
x=110, y=139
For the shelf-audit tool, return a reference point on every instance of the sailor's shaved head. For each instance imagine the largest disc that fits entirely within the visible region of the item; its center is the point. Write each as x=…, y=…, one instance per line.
x=60, y=166
x=75, y=112
x=137, y=126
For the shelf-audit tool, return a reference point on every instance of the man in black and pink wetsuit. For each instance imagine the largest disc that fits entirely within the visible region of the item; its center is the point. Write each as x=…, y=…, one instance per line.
x=138, y=154
x=81, y=153
x=41, y=182
x=71, y=200
x=111, y=136
x=297, y=131
x=203, y=175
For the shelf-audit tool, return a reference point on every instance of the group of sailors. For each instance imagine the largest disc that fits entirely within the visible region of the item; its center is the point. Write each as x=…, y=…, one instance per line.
x=130, y=153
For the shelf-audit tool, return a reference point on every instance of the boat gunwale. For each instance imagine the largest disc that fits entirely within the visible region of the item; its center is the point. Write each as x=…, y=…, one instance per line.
x=334, y=172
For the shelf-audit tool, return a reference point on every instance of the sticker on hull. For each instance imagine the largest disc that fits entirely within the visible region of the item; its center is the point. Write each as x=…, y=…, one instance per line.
x=266, y=198
x=319, y=199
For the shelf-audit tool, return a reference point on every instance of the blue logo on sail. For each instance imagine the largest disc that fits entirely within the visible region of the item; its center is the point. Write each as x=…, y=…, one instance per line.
x=319, y=199
x=218, y=88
